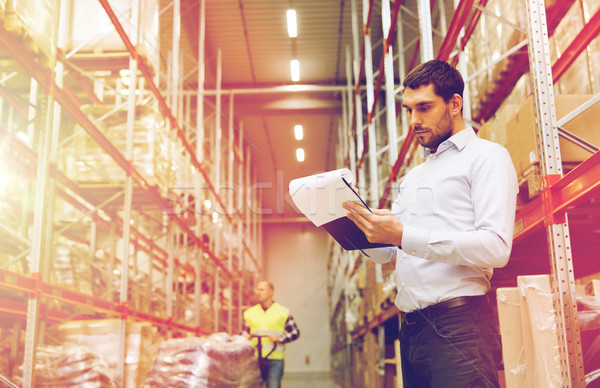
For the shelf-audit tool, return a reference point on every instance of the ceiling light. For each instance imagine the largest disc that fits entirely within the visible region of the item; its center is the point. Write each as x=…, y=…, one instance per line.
x=298, y=132
x=300, y=154
x=295, y=65
x=291, y=23
x=207, y=203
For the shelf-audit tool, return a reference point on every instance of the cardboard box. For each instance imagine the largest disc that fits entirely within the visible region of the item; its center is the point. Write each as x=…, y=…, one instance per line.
x=521, y=133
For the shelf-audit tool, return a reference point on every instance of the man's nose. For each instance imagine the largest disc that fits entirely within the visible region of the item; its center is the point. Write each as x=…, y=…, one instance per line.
x=415, y=120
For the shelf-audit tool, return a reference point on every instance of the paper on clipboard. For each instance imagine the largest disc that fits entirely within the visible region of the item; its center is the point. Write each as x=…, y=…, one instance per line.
x=320, y=197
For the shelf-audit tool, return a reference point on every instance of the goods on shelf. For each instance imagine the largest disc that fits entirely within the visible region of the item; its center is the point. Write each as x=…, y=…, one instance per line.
x=490, y=39
x=577, y=79
x=103, y=337
x=34, y=21
x=10, y=245
x=69, y=366
x=516, y=126
x=91, y=31
x=528, y=327
x=152, y=149
x=71, y=267
x=219, y=360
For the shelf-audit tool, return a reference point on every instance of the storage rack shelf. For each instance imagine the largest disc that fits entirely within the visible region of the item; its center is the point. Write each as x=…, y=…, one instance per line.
x=166, y=228
x=574, y=194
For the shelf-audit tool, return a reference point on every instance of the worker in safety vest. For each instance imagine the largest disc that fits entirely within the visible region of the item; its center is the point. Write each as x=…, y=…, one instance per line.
x=275, y=326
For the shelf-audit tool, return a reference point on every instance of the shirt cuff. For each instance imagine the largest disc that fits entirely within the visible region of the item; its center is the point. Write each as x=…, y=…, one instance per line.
x=414, y=241
x=380, y=255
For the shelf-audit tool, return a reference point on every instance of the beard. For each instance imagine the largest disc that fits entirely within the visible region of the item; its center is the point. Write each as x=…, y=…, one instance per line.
x=442, y=132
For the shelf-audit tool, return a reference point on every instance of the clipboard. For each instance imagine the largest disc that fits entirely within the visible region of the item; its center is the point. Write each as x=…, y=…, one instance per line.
x=320, y=197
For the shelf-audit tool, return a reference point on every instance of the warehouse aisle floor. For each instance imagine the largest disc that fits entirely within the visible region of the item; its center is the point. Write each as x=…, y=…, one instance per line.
x=307, y=379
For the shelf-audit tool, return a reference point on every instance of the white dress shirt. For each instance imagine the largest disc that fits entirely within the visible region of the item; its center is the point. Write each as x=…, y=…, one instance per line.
x=458, y=211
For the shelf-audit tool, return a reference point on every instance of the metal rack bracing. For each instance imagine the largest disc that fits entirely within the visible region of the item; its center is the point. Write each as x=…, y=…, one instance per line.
x=162, y=236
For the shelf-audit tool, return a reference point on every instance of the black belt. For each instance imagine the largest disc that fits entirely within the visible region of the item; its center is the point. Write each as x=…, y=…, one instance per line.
x=435, y=310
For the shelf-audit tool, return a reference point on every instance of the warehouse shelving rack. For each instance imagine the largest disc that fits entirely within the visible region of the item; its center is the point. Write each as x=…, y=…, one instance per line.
x=189, y=259
x=574, y=193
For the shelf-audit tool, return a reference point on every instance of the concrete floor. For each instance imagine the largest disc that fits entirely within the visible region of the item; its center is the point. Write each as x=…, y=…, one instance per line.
x=312, y=380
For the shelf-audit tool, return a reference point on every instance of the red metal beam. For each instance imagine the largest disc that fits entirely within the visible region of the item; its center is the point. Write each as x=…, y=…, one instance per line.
x=579, y=185
x=581, y=41
x=146, y=71
x=43, y=76
x=519, y=65
x=148, y=76
x=34, y=287
x=458, y=21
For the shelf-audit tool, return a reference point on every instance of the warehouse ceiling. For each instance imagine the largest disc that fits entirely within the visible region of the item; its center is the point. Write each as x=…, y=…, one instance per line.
x=250, y=38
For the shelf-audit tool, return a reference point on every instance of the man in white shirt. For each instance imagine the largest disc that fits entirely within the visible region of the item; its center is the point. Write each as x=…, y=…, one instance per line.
x=452, y=223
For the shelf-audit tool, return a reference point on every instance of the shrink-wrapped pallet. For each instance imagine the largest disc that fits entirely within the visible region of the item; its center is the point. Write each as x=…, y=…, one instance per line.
x=539, y=325
x=102, y=336
x=513, y=352
x=69, y=366
x=219, y=360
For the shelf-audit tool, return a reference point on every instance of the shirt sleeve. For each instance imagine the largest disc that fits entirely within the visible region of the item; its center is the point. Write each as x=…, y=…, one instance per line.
x=291, y=331
x=493, y=194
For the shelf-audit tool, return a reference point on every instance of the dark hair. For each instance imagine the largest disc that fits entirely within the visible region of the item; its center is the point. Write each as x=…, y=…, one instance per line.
x=446, y=80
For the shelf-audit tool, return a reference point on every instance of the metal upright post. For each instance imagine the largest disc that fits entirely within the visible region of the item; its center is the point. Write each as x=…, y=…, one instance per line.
x=240, y=207
x=401, y=71
x=563, y=281
x=170, y=270
x=230, y=212
x=248, y=208
x=217, y=171
x=390, y=95
x=127, y=206
x=357, y=98
x=348, y=127
x=425, y=30
x=41, y=240
x=199, y=155
x=463, y=69
x=201, y=76
x=368, y=55
x=175, y=73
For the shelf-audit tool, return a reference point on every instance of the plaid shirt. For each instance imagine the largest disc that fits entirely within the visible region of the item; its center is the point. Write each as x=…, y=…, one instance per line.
x=291, y=330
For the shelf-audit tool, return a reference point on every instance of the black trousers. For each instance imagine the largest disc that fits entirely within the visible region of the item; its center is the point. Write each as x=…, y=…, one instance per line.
x=455, y=347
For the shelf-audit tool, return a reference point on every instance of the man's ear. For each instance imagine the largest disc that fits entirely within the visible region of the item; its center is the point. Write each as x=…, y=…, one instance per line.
x=456, y=104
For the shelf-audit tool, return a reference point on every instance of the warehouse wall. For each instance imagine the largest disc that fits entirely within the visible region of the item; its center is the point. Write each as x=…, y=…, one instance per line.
x=296, y=263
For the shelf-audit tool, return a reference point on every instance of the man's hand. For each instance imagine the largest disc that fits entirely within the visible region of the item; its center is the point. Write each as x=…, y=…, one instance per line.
x=381, y=226
x=274, y=338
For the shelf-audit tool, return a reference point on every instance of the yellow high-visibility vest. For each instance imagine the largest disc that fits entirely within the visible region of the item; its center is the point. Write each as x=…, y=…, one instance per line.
x=263, y=322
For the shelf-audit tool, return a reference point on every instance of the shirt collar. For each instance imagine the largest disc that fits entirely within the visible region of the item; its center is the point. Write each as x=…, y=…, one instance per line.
x=459, y=139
